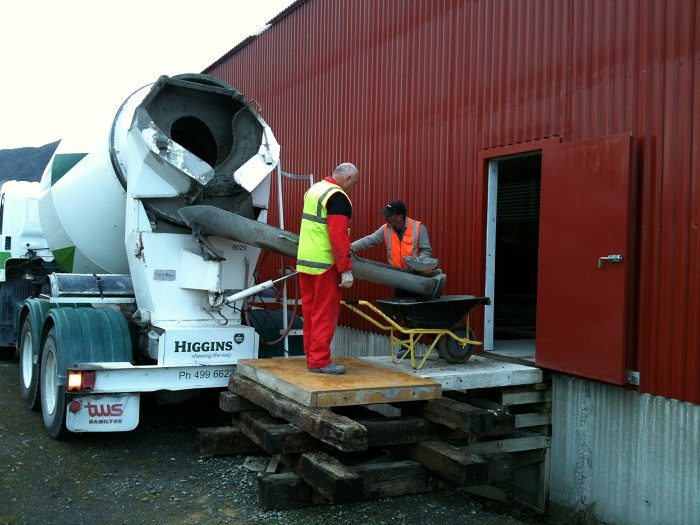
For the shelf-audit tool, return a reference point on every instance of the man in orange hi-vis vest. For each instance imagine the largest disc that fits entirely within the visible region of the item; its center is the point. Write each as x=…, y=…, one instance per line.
x=402, y=236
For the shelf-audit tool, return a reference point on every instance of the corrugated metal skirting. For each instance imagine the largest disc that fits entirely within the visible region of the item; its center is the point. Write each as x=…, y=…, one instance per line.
x=352, y=342
x=626, y=458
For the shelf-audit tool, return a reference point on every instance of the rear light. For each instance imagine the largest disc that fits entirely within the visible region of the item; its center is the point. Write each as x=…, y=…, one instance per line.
x=81, y=380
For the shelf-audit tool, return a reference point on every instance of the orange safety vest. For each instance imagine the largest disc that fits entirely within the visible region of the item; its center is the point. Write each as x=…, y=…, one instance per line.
x=397, y=249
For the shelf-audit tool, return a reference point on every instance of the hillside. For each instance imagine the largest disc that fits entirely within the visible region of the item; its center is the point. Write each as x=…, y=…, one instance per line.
x=25, y=163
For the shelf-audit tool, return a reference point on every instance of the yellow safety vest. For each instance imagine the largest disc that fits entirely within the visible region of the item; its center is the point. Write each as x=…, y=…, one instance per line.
x=314, y=254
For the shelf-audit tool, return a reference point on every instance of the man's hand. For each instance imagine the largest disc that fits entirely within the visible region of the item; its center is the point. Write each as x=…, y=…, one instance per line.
x=346, y=280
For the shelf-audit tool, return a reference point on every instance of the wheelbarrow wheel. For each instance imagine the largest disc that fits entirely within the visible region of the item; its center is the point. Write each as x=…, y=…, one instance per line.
x=450, y=350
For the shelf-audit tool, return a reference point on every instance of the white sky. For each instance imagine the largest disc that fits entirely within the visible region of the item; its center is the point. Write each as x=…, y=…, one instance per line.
x=68, y=64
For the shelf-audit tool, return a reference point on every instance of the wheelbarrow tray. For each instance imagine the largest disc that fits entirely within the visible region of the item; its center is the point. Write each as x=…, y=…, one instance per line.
x=442, y=313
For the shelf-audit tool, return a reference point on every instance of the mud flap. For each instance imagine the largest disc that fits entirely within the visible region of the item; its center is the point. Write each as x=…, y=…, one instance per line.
x=103, y=413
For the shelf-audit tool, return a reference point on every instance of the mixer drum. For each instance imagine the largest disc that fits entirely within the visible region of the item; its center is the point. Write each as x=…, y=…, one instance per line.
x=184, y=140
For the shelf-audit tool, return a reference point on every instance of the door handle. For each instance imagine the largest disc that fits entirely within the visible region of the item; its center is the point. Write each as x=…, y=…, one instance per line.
x=613, y=258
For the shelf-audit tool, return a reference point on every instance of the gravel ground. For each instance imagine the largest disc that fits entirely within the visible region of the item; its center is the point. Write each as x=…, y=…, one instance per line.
x=153, y=475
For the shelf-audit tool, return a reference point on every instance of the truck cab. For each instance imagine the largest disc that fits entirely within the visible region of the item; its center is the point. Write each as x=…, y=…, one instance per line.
x=25, y=258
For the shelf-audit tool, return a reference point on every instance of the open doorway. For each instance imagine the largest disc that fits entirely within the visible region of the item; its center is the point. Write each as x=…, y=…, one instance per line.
x=512, y=252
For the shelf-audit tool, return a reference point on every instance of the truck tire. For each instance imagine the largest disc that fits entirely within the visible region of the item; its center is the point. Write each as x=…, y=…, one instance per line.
x=28, y=367
x=450, y=350
x=53, y=394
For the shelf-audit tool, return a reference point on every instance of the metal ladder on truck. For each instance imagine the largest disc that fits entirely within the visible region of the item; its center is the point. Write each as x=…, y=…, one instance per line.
x=285, y=299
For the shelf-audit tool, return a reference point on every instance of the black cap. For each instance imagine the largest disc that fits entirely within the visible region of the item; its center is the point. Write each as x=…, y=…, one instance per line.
x=394, y=208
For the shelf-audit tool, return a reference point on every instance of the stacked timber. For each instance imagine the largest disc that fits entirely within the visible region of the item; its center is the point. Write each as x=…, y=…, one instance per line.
x=528, y=445
x=354, y=452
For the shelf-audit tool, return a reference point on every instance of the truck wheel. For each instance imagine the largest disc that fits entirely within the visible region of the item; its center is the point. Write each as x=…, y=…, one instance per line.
x=450, y=350
x=53, y=395
x=28, y=367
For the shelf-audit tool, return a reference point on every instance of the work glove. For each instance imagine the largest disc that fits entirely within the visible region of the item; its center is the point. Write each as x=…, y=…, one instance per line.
x=346, y=280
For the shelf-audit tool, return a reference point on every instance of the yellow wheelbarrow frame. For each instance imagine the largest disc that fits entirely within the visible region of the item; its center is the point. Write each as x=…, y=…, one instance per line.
x=409, y=337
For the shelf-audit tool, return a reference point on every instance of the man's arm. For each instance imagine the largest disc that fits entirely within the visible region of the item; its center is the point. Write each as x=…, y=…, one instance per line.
x=338, y=221
x=424, y=247
x=369, y=241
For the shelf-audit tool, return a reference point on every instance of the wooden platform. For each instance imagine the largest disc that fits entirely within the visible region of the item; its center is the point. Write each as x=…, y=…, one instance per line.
x=365, y=382
x=477, y=372
x=487, y=430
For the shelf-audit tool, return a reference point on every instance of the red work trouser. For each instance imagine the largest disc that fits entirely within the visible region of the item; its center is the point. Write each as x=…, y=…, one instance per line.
x=320, y=305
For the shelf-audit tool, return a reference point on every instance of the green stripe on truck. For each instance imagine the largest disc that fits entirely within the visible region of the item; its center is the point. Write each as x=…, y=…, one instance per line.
x=62, y=162
x=65, y=257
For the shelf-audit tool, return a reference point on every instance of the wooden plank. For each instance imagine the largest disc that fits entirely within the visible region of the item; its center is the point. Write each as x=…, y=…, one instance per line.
x=364, y=383
x=472, y=420
x=477, y=372
x=273, y=465
x=277, y=437
x=524, y=396
x=328, y=476
x=464, y=468
x=398, y=478
x=500, y=467
x=520, y=442
x=232, y=403
x=398, y=430
x=491, y=492
x=530, y=457
x=336, y=430
x=406, y=429
x=223, y=441
x=532, y=419
x=380, y=480
x=283, y=491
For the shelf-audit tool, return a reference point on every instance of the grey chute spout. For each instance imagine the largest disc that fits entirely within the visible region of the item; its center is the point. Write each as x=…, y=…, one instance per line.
x=382, y=273
x=215, y=221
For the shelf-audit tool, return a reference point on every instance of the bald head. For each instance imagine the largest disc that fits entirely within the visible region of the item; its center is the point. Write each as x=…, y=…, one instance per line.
x=346, y=175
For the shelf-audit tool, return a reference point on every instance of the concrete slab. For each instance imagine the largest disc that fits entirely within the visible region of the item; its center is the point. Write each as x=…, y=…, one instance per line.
x=365, y=382
x=477, y=372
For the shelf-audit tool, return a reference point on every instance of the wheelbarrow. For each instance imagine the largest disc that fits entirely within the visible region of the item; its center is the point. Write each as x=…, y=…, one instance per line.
x=407, y=320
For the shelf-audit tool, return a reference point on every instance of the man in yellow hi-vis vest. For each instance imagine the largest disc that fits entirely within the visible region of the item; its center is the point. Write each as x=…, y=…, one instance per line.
x=323, y=263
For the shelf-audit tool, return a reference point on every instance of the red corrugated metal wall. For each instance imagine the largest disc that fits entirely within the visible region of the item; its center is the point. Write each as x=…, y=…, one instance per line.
x=412, y=90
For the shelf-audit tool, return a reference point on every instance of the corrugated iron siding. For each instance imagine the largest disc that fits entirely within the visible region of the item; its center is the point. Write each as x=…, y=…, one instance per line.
x=623, y=457
x=412, y=90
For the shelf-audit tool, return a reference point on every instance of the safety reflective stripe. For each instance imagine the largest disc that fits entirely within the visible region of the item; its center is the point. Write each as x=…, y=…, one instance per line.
x=321, y=200
x=414, y=231
x=313, y=264
x=319, y=208
x=314, y=218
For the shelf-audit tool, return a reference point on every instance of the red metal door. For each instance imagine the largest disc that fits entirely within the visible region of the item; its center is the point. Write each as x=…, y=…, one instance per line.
x=586, y=212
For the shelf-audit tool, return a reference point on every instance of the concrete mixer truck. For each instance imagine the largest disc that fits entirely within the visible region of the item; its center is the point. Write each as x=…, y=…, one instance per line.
x=157, y=234
x=138, y=306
